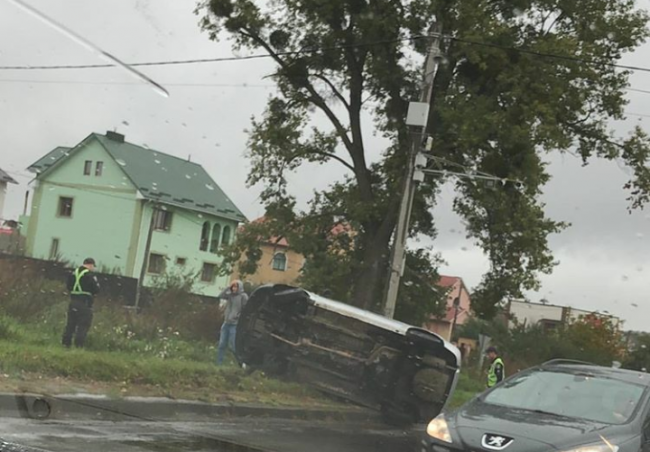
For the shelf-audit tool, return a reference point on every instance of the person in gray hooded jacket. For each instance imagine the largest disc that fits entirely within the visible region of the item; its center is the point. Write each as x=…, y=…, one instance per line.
x=235, y=298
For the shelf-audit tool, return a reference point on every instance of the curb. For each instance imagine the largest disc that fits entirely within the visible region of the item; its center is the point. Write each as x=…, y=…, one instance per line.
x=87, y=407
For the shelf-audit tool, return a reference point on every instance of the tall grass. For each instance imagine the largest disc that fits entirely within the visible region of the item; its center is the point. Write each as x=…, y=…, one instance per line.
x=174, y=324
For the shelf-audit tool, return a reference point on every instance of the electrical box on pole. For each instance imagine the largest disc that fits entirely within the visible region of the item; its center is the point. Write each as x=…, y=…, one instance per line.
x=418, y=114
x=420, y=163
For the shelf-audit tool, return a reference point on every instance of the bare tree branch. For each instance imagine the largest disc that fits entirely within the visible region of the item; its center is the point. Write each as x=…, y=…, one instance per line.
x=336, y=92
x=315, y=97
x=323, y=153
x=555, y=21
x=337, y=158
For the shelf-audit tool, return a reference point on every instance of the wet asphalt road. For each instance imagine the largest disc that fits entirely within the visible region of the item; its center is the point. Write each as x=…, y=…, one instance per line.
x=236, y=434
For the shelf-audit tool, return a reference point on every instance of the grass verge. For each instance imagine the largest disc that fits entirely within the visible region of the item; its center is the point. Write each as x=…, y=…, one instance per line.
x=56, y=370
x=468, y=386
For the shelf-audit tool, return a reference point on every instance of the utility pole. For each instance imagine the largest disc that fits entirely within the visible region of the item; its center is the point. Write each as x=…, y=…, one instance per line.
x=417, y=118
x=145, y=260
x=457, y=306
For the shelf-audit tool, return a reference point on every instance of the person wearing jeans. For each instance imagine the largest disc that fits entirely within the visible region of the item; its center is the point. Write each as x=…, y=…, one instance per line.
x=236, y=299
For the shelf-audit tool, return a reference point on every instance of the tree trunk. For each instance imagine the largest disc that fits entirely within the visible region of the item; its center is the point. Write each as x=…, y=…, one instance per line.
x=368, y=289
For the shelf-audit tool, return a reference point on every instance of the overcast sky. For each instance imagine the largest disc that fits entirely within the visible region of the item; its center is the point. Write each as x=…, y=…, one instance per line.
x=604, y=256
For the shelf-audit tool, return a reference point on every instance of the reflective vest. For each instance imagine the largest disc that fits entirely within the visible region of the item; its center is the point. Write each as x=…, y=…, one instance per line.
x=77, y=289
x=492, y=375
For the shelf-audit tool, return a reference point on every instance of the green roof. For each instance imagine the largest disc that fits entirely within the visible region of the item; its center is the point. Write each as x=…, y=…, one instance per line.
x=158, y=176
x=49, y=160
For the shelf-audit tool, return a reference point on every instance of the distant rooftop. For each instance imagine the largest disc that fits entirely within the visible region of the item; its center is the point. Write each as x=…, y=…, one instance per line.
x=447, y=281
x=4, y=177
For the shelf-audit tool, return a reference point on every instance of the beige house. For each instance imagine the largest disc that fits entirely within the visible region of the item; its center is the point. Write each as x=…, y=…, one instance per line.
x=458, y=307
x=279, y=264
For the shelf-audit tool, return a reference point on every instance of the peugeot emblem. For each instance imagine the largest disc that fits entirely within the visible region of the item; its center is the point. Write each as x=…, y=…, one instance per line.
x=495, y=442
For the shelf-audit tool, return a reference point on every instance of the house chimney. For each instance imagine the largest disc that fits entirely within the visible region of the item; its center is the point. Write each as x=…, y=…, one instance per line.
x=115, y=136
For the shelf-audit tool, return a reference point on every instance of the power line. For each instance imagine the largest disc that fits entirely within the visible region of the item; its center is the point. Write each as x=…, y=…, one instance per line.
x=104, y=192
x=211, y=60
x=636, y=90
x=99, y=83
x=571, y=58
x=339, y=47
x=180, y=84
x=640, y=115
x=17, y=174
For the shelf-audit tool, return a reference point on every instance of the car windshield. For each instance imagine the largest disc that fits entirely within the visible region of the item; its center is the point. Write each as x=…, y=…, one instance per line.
x=352, y=210
x=565, y=394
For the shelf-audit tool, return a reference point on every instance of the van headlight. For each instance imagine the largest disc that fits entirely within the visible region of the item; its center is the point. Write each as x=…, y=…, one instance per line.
x=438, y=429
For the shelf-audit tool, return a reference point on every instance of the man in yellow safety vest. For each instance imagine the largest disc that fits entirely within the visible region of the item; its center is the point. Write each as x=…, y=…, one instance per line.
x=496, y=371
x=83, y=286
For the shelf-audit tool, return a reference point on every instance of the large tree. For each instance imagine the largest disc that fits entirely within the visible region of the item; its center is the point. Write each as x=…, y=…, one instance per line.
x=501, y=101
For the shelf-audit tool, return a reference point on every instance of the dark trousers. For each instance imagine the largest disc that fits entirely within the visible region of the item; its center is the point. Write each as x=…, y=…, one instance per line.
x=80, y=317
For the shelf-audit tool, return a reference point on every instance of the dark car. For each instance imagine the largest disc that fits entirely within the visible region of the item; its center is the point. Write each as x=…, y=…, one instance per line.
x=558, y=406
x=406, y=372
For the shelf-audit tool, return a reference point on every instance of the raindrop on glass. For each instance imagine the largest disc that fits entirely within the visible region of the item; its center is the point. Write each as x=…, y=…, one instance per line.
x=157, y=161
x=209, y=187
x=121, y=162
x=187, y=176
x=126, y=123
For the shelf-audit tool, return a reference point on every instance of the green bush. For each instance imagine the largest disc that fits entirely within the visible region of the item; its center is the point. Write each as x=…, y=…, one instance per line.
x=591, y=338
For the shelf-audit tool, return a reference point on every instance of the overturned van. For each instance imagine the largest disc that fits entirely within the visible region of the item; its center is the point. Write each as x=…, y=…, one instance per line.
x=406, y=372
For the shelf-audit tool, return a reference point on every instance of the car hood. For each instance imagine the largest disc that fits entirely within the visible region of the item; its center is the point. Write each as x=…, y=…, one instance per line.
x=528, y=431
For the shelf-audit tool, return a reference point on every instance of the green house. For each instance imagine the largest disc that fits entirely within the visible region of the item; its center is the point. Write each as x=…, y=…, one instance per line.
x=105, y=197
